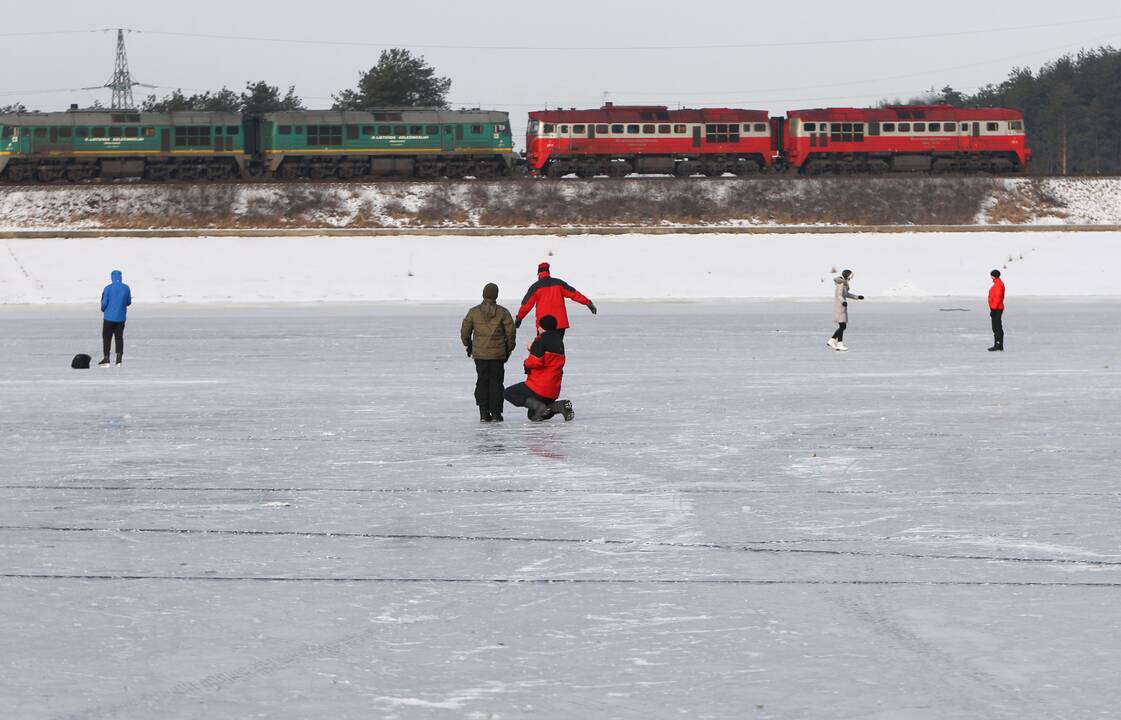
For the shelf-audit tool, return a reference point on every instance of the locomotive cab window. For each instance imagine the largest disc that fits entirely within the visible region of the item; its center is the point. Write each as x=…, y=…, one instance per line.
x=811, y=127
x=549, y=129
x=1016, y=125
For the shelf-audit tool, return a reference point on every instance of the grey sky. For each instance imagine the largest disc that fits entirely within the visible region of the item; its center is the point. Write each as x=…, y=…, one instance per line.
x=770, y=78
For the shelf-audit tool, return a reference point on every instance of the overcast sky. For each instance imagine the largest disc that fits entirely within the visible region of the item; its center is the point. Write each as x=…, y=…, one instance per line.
x=570, y=53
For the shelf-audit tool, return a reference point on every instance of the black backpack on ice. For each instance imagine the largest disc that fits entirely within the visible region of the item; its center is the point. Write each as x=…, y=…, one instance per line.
x=81, y=361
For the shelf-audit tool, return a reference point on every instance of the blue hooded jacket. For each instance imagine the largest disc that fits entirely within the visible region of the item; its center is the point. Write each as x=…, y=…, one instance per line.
x=115, y=298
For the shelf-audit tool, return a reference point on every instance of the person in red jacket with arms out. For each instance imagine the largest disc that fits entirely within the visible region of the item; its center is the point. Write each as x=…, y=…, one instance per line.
x=548, y=295
x=544, y=368
x=996, y=311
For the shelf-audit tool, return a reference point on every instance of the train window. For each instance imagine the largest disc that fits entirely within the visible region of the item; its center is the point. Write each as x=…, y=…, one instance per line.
x=131, y=132
x=151, y=132
x=563, y=130
x=722, y=133
x=920, y=127
x=99, y=132
x=40, y=132
x=811, y=127
x=384, y=130
x=888, y=127
x=284, y=129
x=500, y=127
x=418, y=130
x=65, y=132
x=432, y=130
x=648, y=129
x=81, y=132
x=218, y=131
x=846, y=132
x=352, y=132
x=324, y=134
x=188, y=136
x=548, y=128
x=1016, y=125
x=401, y=130
x=935, y=127
x=601, y=129
x=992, y=127
x=905, y=127
x=632, y=129
x=617, y=129
x=233, y=130
x=114, y=132
x=663, y=129
x=299, y=129
x=579, y=129
x=760, y=127
x=680, y=129
x=8, y=131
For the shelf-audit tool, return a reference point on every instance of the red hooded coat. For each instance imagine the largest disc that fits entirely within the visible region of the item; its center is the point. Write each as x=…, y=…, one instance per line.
x=549, y=294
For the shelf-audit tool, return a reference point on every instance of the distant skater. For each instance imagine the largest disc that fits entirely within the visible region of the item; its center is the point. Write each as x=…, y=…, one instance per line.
x=996, y=311
x=115, y=299
x=544, y=368
x=548, y=295
x=488, y=334
x=841, y=297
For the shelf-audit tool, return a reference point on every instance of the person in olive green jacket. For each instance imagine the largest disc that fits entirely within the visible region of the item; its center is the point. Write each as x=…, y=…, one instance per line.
x=488, y=334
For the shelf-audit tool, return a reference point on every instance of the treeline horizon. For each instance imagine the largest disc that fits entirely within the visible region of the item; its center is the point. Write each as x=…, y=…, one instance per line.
x=1071, y=105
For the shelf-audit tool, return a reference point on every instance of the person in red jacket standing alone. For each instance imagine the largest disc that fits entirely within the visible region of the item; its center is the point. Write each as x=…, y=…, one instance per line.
x=996, y=311
x=549, y=294
x=544, y=368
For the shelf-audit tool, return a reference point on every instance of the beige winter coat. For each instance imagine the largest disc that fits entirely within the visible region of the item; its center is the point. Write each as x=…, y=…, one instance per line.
x=841, y=296
x=489, y=331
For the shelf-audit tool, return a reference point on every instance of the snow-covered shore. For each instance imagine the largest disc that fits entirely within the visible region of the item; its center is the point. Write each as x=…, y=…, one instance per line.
x=636, y=202
x=653, y=267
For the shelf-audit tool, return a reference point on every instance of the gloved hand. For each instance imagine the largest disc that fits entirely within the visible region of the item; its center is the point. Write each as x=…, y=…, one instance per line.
x=845, y=303
x=518, y=323
x=468, y=350
x=859, y=297
x=592, y=307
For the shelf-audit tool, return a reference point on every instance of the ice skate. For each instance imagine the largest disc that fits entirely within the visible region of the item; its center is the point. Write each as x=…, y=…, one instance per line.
x=840, y=347
x=496, y=417
x=119, y=360
x=832, y=343
x=999, y=347
x=104, y=363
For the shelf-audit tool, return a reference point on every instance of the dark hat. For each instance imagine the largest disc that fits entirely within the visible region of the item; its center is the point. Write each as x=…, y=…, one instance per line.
x=490, y=292
x=995, y=273
x=81, y=361
x=548, y=323
x=542, y=267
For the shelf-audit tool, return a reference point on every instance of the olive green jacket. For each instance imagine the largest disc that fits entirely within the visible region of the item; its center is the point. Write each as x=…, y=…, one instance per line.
x=489, y=331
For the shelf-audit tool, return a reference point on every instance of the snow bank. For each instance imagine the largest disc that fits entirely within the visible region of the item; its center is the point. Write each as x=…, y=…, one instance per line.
x=660, y=267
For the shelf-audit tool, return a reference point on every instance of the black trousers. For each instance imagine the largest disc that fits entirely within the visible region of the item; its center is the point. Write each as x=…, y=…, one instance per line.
x=517, y=395
x=109, y=331
x=998, y=326
x=488, y=385
x=839, y=335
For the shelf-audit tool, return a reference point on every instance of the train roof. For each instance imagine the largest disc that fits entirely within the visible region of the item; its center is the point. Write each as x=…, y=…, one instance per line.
x=893, y=113
x=407, y=115
x=77, y=118
x=649, y=113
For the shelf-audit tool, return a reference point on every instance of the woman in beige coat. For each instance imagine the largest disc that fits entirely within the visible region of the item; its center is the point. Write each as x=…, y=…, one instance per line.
x=841, y=297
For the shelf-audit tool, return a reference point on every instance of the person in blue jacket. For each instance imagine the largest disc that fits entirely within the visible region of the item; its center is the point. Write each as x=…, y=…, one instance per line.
x=115, y=299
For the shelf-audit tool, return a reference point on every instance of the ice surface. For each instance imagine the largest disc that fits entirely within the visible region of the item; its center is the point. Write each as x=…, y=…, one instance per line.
x=294, y=513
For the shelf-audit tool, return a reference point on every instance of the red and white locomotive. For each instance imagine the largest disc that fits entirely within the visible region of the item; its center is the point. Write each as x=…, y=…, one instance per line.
x=620, y=140
x=938, y=138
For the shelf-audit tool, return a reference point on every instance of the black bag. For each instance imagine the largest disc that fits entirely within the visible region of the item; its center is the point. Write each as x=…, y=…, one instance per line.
x=81, y=361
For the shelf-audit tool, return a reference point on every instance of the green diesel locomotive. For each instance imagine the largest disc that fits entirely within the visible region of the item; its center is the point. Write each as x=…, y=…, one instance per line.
x=82, y=145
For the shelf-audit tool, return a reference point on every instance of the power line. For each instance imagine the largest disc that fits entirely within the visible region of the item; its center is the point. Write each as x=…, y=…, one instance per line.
x=625, y=48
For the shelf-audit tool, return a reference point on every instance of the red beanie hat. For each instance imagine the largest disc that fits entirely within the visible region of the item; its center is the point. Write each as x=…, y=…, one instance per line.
x=543, y=267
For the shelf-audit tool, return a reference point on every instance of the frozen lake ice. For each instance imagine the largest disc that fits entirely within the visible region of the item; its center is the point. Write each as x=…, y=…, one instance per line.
x=294, y=512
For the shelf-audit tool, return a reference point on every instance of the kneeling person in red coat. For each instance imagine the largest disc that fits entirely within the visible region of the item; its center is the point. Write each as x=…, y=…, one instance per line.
x=544, y=368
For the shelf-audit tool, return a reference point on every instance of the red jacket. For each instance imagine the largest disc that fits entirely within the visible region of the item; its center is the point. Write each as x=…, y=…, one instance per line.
x=548, y=294
x=545, y=365
x=996, y=295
